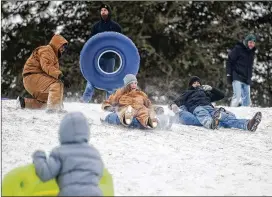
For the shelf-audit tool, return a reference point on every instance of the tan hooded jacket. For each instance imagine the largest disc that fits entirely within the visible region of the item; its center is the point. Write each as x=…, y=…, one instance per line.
x=137, y=99
x=44, y=59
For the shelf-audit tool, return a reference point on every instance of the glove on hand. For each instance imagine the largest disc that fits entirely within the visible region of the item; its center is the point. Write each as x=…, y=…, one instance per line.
x=65, y=81
x=38, y=153
x=207, y=87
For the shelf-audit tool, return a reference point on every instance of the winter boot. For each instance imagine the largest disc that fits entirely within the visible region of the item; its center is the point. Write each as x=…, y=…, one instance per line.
x=152, y=119
x=216, y=118
x=254, y=122
x=20, y=103
x=128, y=115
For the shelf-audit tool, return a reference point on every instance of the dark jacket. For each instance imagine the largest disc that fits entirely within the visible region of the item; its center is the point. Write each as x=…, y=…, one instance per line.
x=76, y=165
x=240, y=63
x=194, y=97
x=106, y=25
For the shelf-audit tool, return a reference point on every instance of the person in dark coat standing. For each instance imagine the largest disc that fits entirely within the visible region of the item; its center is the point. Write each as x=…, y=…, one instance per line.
x=198, y=100
x=107, y=61
x=239, y=70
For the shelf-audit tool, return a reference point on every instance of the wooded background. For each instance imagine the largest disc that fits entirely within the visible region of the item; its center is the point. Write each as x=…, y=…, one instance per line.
x=175, y=39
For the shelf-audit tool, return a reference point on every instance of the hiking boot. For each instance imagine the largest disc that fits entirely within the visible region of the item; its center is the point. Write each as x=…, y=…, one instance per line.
x=20, y=103
x=216, y=118
x=254, y=122
x=152, y=122
x=222, y=109
x=128, y=115
x=152, y=119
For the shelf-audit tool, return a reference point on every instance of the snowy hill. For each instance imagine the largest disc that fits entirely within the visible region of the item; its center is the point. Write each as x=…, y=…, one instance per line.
x=185, y=160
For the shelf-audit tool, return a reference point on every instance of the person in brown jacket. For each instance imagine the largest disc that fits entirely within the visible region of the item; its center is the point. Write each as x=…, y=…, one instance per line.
x=43, y=79
x=129, y=102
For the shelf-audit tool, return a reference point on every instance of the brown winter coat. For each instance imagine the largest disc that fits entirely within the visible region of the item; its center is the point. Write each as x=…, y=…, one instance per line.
x=44, y=59
x=137, y=99
x=41, y=72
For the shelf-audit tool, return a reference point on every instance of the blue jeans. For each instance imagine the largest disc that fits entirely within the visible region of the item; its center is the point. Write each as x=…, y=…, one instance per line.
x=187, y=118
x=240, y=90
x=112, y=118
x=108, y=66
x=228, y=120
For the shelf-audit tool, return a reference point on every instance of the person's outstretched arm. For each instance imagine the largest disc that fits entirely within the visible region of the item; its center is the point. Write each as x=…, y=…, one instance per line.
x=46, y=169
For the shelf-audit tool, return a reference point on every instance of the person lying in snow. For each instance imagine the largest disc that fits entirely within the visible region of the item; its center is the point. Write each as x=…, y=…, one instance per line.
x=76, y=165
x=197, y=99
x=183, y=116
x=131, y=107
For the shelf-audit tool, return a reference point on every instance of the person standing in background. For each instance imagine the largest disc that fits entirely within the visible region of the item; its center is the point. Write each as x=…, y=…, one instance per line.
x=107, y=61
x=239, y=70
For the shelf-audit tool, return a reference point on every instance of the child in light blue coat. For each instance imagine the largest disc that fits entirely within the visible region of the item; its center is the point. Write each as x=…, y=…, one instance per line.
x=76, y=165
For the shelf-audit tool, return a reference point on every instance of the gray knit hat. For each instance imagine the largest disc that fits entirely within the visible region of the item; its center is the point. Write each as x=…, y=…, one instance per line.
x=129, y=78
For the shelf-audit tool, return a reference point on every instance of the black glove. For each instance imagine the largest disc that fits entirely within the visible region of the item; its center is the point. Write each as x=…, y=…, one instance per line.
x=229, y=79
x=65, y=81
x=109, y=108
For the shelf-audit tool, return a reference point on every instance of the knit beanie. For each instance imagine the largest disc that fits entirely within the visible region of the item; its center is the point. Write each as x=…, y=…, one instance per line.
x=249, y=37
x=105, y=6
x=129, y=78
x=194, y=79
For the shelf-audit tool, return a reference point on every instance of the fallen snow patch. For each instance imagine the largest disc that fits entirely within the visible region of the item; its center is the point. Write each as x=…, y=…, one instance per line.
x=185, y=160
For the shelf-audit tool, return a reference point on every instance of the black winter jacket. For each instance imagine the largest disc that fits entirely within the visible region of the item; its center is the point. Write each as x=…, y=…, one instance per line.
x=240, y=63
x=194, y=97
x=106, y=25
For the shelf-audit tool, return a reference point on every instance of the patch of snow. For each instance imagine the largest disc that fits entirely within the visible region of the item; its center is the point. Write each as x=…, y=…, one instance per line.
x=185, y=160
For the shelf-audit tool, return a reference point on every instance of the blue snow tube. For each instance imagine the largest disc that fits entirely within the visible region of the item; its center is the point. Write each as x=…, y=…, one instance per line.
x=104, y=42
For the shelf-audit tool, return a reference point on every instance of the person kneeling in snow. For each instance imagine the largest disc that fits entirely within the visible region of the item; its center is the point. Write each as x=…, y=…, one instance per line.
x=197, y=99
x=76, y=165
x=132, y=106
x=43, y=79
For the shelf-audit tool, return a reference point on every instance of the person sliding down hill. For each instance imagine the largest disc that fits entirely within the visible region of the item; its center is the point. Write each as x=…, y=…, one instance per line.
x=197, y=99
x=131, y=107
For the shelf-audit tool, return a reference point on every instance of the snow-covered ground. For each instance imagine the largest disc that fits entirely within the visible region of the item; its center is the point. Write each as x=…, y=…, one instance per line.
x=185, y=160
